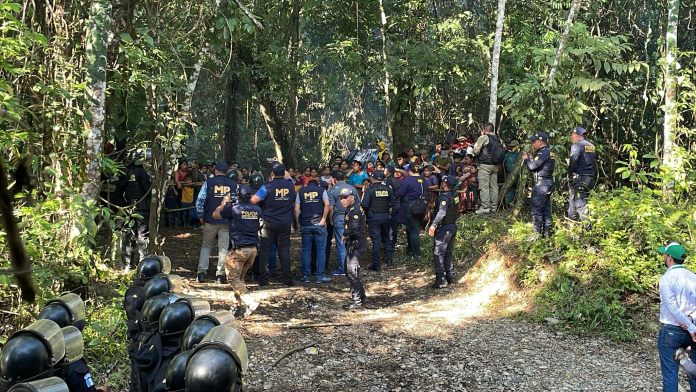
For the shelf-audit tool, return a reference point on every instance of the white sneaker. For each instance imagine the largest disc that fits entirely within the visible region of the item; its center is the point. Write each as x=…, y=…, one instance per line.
x=482, y=211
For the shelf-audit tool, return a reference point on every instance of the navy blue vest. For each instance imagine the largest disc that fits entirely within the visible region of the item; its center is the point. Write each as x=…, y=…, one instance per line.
x=217, y=187
x=279, y=202
x=311, y=204
x=244, y=226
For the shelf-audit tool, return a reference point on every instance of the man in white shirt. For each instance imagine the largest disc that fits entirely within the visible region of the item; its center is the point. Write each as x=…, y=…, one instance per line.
x=677, y=305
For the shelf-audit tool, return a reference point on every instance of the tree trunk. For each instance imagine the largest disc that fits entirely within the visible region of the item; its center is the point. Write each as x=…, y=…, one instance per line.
x=495, y=62
x=669, y=156
x=574, y=8
x=96, y=52
x=293, y=44
x=276, y=130
x=232, y=117
x=385, y=85
x=403, y=121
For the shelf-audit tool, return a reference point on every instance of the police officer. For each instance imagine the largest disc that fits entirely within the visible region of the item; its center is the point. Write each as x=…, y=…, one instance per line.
x=540, y=167
x=311, y=210
x=136, y=192
x=412, y=193
x=377, y=202
x=444, y=230
x=209, y=198
x=337, y=214
x=256, y=181
x=581, y=174
x=356, y=246
x=245, y=221
x=218, y=363
x=276, y=198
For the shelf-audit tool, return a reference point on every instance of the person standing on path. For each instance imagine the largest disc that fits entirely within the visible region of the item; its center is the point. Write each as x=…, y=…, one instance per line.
x=491, y=153
x=311, y=210
x=276, y=198
x=337, y=214
x=541, y=168
x=444, y=230
x=378, y=201
x=356, y=246
x=411, y=191
x=245, y=221
x=677, y=307
x=211, y=195
x=581, y=174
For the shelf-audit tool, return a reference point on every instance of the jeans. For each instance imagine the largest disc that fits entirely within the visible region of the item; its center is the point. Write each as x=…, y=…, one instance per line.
x=442, y=258
x=237, y=264
x=338, y=222
x=488, y=186
x=278, y=234
x=313, y=235
x=669, y=339
x=210, y=231
x=380, y=233
x=412, y=222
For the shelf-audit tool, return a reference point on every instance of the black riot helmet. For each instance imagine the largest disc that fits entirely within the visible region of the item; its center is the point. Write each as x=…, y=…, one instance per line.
x=176, y=371
x=32, y=353
x=255, y=181
x=202, y=325
x=51, y=384
x=152, y=265
x=68, y=309
x=162, y=283
x=176, y=317
x=212, y=369
x=245, y=193
x=153, y=307
x=233, y=175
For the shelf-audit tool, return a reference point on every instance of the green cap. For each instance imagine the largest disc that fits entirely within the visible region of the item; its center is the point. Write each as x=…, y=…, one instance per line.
x=674, y=249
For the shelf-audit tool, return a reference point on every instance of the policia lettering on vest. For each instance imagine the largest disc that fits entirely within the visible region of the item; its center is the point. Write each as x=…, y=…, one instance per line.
x=378, y=201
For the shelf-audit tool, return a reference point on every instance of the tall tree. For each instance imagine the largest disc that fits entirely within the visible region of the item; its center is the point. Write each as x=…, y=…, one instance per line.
x=574, y=8
x=495, y=61
x=669, y=156
x=385, y=84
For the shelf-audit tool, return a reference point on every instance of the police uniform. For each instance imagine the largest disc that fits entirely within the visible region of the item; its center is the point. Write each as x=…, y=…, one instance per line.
x=445, y=224
x=378, y=201
x=245, y=221
x=541, y=170
x=311, y=200
x=277, y=201
x=209, y=198
x=581, y=173
x=356, y=246
x=136, y=191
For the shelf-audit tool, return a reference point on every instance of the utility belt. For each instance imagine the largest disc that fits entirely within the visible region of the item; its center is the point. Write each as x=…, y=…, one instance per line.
x=372, y=214
x=581, y=183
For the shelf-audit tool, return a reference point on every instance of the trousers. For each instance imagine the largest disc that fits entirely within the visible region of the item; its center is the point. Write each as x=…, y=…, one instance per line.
x=355, y=251
x=443, y=259
x=488, y=186
x=380, y=233
x=210, y=233
x=237, y=265
x=275, y=234
x=541, y=206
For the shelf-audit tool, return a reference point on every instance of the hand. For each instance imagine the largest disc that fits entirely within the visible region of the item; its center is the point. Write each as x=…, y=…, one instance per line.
x=202, y=221
x=322, y=222
x=525, y=155
x=431, y=231
x=226, y=199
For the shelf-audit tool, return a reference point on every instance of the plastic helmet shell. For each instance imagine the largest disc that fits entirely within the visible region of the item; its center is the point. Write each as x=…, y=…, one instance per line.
x=162, y=283
x=74, y=305
x=153, y=307
x=51, y=384
x=24, y=357
x=256, y=181
x=202, y=325
x=245, y=193
x=212, y=368
x=57, y=313
x=176, y=372
x=229, y=339
x=233, y=175
x=177, y=317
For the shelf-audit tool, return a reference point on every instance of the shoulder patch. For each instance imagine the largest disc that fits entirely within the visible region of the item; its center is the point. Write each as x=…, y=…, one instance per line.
x=589, y=148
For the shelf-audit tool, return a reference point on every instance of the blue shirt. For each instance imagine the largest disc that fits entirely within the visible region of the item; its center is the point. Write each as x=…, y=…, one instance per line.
x=356, y=179
x=335, y=201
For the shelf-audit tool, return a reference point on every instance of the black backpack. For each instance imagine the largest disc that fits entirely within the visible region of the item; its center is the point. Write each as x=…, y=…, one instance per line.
x=420, y=205
x=496, y=149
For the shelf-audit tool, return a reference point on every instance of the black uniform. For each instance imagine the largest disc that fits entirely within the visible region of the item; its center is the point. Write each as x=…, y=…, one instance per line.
x=445, y=224
x=541, y=170
x=133, y=302
x=278, y=202
x=78, y=378
x=356, y=246
x=136, y=192
x=378, y=201
x=581, y=173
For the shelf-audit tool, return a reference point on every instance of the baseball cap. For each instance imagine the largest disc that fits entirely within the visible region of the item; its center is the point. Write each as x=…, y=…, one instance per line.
x=541, y=135
x=278, y=169
x=579, y=130
x=674, y=249
x=390, y=168
x=345, y=192
x=377, y=175
x=221, y=166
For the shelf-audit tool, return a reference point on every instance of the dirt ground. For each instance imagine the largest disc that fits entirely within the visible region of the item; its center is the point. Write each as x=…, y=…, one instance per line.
x=415, y=338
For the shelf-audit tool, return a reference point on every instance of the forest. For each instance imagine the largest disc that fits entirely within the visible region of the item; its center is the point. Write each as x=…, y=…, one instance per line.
x=84, y=84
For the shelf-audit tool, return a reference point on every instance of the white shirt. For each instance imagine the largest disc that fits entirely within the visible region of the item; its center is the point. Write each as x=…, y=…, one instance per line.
x=678, y=297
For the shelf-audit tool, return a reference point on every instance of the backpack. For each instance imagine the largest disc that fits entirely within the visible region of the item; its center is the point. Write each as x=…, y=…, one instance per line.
x=496, y=149
x=420, y=205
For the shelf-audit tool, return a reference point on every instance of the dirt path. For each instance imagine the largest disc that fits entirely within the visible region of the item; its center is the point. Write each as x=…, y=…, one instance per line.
x=417, y=339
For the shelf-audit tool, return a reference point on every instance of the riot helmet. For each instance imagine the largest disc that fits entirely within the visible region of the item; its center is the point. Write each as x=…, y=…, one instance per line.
x=32, y=352
x=231, y=341
x=74, y=344
x=162, y=283
x=51, y=384
x=256, y=181
x=152, y=265
x=68, y=309
x=202, y=325
x=245, y=193
x=176, y=317
x=153, y=307
x=233, y=175
x=212, y=369
x=176, y=371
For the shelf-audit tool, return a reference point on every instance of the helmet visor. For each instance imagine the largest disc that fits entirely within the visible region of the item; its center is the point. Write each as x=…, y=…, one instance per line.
x=176, y=283
x=51, y=384
x=74, y=344
x=222, y=317
x=231, y=340
x=199, y=306
x=75, y=304
x=52, y=335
